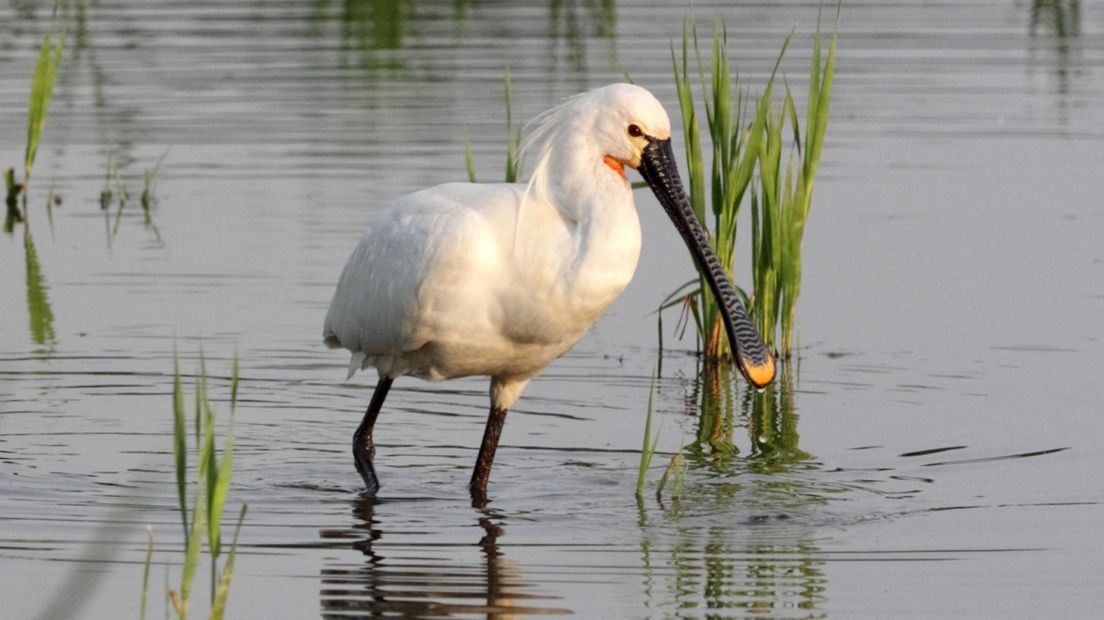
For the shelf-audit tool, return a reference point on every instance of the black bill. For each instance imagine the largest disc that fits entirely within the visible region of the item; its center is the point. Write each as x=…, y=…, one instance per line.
x=657, y=166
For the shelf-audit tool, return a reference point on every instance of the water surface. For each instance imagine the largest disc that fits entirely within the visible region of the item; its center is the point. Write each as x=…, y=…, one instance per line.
x=937, y=454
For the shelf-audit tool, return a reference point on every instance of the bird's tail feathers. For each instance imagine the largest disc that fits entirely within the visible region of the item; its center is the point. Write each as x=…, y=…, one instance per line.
x=356, y=362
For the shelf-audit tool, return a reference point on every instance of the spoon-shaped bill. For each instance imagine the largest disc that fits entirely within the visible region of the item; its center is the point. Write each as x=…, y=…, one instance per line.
x=657, y=166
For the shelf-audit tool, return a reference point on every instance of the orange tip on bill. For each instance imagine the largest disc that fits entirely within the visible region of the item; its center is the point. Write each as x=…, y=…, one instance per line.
x=759, y=375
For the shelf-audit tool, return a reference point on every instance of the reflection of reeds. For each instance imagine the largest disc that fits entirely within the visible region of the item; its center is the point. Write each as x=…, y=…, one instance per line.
x=770, y=415
x=38, y=304
x=115, y=191
x=740, y=147
x=212, y=484
x=758, y=558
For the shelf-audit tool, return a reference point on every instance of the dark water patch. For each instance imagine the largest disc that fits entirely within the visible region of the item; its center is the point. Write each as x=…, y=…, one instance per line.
x=930, y=451
x=1020, y=455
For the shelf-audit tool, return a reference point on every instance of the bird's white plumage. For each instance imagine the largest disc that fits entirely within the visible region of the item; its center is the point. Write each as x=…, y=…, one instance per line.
x=500, y=279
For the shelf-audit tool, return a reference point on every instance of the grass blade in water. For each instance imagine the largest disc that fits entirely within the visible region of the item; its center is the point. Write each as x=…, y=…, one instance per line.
x=42, y=91
x=649, y=446
x=222, y=592
x=180, y=447
x=146, y=573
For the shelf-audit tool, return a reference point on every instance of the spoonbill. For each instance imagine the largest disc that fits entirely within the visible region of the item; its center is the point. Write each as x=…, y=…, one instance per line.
x=469, y=279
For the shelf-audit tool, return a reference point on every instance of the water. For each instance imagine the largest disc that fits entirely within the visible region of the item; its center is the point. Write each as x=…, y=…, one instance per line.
x=939, y=455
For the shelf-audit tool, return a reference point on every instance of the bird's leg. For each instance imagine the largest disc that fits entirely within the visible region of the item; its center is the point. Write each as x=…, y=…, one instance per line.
x=363, y=448
x=495, y=421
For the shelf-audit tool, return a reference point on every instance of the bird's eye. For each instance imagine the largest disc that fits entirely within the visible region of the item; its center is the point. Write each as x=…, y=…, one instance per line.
x=635, y=131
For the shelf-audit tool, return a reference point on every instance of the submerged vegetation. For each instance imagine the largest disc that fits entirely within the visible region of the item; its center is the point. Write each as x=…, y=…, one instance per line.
x=746, y=150
x=211, y=487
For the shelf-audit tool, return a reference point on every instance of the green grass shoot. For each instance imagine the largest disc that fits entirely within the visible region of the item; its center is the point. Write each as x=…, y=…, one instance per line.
x=42, y=92
x=469, y=162
x=781, y=205
x=513, y=136
x=146, y=573
x=38, y=105
x=733, y=155
x=212, y=484
x=745, y=165
x=647, y=450
x=677, y=466
x=149, y=179
x=222, y=593
x=513, y=140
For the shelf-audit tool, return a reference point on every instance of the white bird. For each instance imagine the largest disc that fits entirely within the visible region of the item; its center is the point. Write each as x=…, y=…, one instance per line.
x=500, y=279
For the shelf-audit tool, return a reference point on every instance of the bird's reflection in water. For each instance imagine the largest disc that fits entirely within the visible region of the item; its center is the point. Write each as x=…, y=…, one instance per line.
x=408, y=578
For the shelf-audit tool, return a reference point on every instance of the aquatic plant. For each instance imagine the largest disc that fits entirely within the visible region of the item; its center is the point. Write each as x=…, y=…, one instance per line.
x=42, y=92
x=38, y=105
x=513, y=140
x=782, y=203
x=146, y=573
x=678, y=467
x=149, y=179
x=513, y=136
x=647, y=450
x=734, y=151
x=739, y=148
x=212, y=485
x=115, y=192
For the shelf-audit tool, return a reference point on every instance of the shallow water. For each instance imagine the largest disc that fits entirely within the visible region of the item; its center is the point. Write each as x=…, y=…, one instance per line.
x=939, y=454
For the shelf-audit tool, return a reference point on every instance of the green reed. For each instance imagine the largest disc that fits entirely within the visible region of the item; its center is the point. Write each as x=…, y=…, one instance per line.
x=781, y=204
x=742, y=146
x=212, y=485
x=38, y=105
x=677, y=466
x=734, y=149
x=146, y=573
x=513, y=140
x=42, y=92
x=149, y=180
x=647, y=450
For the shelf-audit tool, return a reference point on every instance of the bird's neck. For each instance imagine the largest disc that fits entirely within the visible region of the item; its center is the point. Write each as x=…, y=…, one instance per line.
x=606, y=237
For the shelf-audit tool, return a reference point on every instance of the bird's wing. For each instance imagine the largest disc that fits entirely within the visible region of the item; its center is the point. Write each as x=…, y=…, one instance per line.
x=424, y=258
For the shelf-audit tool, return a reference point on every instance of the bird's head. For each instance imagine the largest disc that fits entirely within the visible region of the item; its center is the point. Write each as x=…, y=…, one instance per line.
x=629, y=127
x=626, y=120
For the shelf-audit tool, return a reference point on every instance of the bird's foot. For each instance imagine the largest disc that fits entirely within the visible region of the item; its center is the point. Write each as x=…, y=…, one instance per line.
x=363, y=459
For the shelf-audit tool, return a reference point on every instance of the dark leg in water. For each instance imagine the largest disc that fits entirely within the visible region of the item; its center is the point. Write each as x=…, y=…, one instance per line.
x=491, y=433
x=363, y=448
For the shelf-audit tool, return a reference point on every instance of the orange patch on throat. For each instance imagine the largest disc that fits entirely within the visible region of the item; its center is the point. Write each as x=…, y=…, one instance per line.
x=615, y=165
